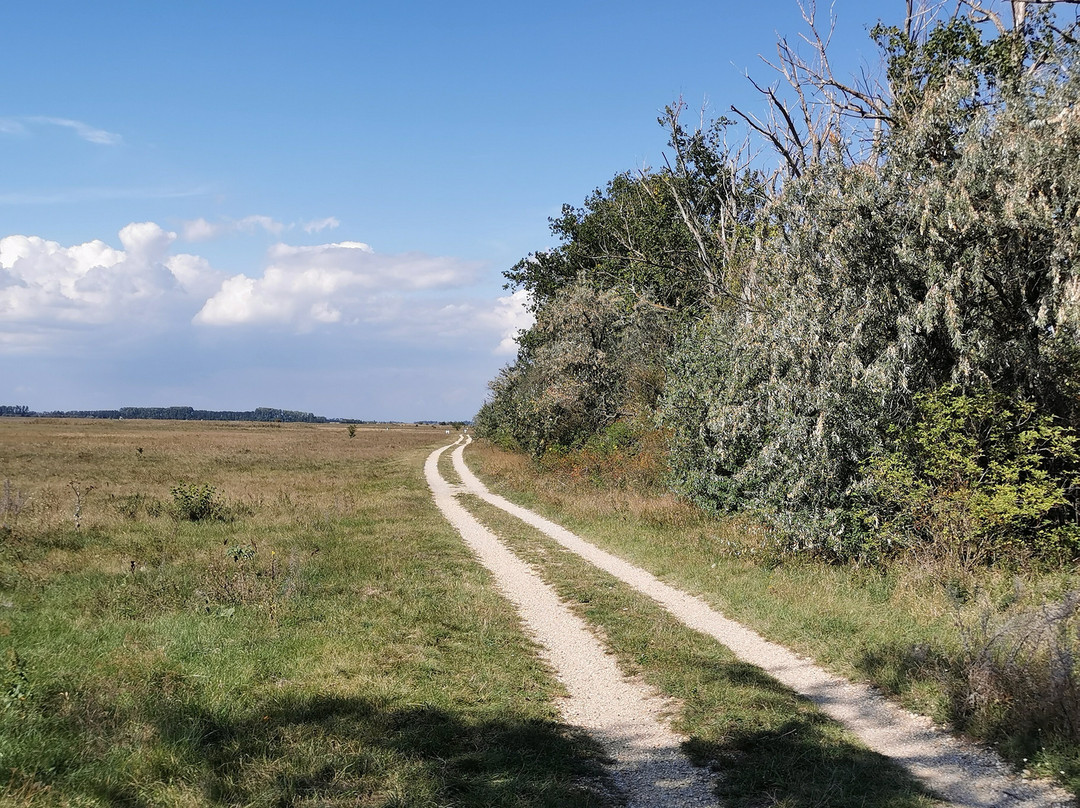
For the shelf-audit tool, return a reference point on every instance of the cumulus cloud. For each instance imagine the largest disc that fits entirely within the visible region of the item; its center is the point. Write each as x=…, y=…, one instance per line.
x=345, y=289
x=318, y=225
x=44, y=284
x=347, y=281
x=511, y=316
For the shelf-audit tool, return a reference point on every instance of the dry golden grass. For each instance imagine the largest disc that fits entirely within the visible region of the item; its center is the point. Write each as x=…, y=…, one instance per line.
x=323, y=638
x=621, y=485
x=46, y=461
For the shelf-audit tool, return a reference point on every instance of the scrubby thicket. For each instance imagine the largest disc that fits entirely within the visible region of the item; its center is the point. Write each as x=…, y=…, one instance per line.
x=875, y=346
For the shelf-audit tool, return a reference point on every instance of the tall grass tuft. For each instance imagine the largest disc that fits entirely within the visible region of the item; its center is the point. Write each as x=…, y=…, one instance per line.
x=1020, y=680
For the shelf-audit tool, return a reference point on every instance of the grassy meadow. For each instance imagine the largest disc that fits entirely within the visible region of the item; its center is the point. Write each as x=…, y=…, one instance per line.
x=990, y=652
x=205, y=614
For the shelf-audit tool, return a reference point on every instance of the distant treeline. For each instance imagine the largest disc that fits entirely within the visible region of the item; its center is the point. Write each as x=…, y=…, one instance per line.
x=174, y=414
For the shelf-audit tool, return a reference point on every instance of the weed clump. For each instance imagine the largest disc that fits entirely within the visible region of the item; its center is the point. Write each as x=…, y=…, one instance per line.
x=246, y=578
x=15, y=689
x=198, y=503
x=1019, y=677
x=129, y=506
x=12, y=503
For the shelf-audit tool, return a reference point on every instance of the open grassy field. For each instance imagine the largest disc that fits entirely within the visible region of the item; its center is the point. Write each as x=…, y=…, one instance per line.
x=202, y=614
x=212, y=614
x=991, y=652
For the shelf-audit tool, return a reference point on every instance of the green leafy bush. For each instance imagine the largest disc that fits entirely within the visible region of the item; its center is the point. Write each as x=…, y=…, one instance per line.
x=978, y=477
x=15, y=689
x=197, y=502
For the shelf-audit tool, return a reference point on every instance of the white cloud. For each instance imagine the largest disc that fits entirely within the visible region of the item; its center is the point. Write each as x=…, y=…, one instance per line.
x=145, y=242
x=44, y=285
x=91, y=134
x=86, y=297
x=347, y=281
x=474, y=321
x=318, y=225
x=511, y=316
x=202, y=230
x=194, y=274
x=249, y=224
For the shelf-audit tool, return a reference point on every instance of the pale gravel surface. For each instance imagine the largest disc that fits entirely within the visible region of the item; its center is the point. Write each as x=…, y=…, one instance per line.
x=957, y=772
x=649, y=767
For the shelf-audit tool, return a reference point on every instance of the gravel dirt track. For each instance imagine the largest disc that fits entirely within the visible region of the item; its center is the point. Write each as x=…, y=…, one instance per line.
x=649, y=767
x=957, y=772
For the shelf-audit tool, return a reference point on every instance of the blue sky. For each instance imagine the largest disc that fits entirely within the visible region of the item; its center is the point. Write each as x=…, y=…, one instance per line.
x=310, y=205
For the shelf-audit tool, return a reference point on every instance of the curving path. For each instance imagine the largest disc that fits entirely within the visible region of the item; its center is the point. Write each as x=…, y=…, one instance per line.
x=960, y=773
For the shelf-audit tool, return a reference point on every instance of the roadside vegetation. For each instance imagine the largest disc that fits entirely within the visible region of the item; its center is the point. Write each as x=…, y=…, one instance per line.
x=875, y=346
x=823, y=364
x=262, y=615
x=987, y=651
x=766, y=743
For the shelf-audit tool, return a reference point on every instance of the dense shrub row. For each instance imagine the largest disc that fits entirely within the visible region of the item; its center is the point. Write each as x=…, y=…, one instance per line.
x=876, y=346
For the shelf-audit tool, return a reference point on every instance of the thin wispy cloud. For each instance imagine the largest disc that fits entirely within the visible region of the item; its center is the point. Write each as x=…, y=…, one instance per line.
x=317, y=226
x=91, y=134
x=202, y=230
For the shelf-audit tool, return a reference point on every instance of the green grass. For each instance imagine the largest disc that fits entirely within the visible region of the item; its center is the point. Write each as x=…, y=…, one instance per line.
x=905, y=629
x=769, y=745
x=331, y=643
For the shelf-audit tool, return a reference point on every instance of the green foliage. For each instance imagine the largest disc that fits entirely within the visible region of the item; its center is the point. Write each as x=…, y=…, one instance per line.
x=629, y=237
x=197, y=502
x=949, y=259
x=587, y=362
x=805, y=317
x=610, y=300
x=951, y=52
x=979, y=477
x=242, y=552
